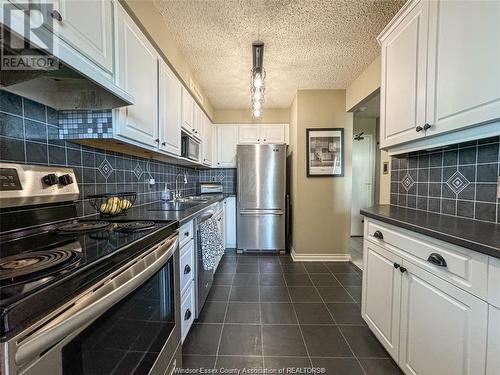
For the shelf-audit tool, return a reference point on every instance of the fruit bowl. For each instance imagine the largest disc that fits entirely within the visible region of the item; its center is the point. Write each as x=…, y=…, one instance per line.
x=112, y=204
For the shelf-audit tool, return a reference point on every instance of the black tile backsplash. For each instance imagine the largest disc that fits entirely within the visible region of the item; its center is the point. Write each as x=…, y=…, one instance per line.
x=29, y=133
x=459, y=180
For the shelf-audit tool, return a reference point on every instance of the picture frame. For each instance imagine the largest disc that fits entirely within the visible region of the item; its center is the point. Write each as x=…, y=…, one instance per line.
x=325, y=152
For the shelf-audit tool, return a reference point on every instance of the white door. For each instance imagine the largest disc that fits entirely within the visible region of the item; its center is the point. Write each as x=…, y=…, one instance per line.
x=230, y=221
x=381, y=295
x=87, y=27
x=187, y=111
x=443, y=328
x=362, y=180
x=463, y=85
x=493, y=365
x=207, y=141
x=404, y=59
x=170, y=110
x=197, y=121
x=272, y=134
x=227, y=139
x=138, y=75
x=248, y=134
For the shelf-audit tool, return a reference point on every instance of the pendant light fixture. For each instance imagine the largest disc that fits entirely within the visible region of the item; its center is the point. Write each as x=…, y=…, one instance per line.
x=257, y=84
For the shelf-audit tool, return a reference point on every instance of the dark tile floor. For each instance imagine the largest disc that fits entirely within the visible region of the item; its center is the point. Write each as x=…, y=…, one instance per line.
x=266, y=311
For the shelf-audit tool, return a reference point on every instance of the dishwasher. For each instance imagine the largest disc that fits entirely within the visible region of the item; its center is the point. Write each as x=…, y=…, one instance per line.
x=205, y=278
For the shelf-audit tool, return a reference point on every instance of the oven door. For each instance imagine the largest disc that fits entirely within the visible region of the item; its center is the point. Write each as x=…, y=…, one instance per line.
x=128, y=324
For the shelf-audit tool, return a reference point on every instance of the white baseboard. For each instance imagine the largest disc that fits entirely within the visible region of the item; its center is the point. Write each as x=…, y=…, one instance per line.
x=320, y=257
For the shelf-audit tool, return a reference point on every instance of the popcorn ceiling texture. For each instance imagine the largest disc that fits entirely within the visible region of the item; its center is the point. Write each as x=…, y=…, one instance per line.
x=316, y=44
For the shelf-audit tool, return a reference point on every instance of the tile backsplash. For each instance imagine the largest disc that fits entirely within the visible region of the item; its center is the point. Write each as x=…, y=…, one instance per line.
x=225, y=176
x=30, y=134
x=459, y=180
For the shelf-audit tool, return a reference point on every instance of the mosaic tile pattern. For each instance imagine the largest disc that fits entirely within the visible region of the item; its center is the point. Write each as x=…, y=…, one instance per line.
x=459, y=180
x=29, y=134
x=85, y=124
x=225, y=176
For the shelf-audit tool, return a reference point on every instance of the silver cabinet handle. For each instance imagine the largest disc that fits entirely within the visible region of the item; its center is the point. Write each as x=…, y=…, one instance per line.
x=56, y=15
x=91, y=305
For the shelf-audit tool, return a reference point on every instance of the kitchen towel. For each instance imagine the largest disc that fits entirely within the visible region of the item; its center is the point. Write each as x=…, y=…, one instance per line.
x=212, y=246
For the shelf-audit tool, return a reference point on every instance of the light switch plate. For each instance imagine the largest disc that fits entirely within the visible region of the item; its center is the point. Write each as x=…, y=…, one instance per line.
x=498, y=188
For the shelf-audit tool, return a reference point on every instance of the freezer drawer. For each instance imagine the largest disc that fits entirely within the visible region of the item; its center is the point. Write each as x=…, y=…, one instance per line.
x=261, y=231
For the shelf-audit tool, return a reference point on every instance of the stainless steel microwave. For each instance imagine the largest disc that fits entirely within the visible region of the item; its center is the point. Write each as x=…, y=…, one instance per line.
x=190, y=148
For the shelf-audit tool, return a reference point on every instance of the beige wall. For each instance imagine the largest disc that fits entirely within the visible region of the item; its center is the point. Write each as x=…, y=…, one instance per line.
x=321, y=205
x=244, y=116
x=367, y=83
x=153, y=23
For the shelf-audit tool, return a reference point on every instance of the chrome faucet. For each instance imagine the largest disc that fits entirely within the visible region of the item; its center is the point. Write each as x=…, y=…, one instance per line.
x=177, y=191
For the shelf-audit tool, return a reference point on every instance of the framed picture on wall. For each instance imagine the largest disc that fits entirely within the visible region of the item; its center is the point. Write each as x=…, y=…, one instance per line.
x=325, y=152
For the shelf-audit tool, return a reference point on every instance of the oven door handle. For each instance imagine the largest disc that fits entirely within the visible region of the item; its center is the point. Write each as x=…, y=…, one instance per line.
x=94, y=303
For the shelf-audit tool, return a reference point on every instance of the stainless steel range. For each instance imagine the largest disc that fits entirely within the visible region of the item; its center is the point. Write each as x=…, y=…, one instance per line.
x=82, y=296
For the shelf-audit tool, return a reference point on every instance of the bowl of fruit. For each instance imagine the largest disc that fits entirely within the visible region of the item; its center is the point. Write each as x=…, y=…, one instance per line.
x=112, y=204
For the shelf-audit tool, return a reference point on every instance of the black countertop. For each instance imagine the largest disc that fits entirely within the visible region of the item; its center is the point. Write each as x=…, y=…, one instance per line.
x=475, y=235
x=150, y=211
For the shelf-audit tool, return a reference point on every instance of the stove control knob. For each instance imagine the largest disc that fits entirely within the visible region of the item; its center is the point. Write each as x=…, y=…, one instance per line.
x=50, y=179
x=65, y=179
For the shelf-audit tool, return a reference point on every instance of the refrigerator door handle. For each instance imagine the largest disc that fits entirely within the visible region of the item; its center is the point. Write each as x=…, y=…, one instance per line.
x=247, y=212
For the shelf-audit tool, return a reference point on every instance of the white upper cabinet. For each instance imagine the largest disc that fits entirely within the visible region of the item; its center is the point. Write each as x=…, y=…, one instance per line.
x=169, y=110
x=137, y=74
x=440, y=74
x=207, y=141
x=443, y=328
x=463, y=86
x=404, y=54
x=249, y=134
x=227, y=139
x=272, y=134
x=187, y=111
x=262, y=133
x=198, y=117
x=87, y=27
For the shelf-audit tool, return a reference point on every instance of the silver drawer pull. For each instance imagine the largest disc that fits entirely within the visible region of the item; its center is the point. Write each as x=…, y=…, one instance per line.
x=437, y=260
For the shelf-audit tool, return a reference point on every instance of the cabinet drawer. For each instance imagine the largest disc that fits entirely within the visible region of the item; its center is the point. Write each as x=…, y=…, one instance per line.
x=186, y=265
x=187, y=311
x=185, y=233
x=464, y=268
x=494, y=282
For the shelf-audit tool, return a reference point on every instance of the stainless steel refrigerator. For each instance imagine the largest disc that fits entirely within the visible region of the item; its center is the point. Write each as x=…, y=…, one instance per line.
x=261, y=197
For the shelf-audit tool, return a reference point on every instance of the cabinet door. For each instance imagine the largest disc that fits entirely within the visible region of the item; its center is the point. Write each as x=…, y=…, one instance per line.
x=248, y=134
x=404, y=59
x=138, y=75
x=197, y=121
x=272, y=134
x=443, y=328
x=493, y=365
x=463, y=85
x=187, y=111
x=230, y=221
x=227, y=138
x=87, y=27
x=207, y=141
x=170, y=110
x=381, y=294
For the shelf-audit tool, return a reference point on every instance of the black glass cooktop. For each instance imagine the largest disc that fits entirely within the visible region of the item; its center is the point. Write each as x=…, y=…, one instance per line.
x=40, y=270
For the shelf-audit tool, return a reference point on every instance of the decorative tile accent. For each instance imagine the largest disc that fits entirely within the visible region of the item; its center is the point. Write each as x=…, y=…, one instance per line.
x=105, y=168
x=97, y=171
x=407, y=181
x=138, y=171
x=85, y=124
x=457, y=182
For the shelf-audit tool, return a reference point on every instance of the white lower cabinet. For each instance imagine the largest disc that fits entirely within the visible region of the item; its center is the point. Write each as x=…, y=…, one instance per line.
x=381, y=297
x=493, y=362
x=230, y=222
x=429, y=323
x=187, y=267
x=443, y=328
x=187, y=311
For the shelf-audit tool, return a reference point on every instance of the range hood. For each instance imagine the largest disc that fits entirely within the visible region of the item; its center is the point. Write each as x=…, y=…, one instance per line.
x=81, y=86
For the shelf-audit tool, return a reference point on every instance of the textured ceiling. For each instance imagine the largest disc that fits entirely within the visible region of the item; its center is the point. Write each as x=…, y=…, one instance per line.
x=309, y=44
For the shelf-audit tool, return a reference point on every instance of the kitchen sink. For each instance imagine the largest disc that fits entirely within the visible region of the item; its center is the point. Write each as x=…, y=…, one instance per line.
x=174, y=206
x=190, y=199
